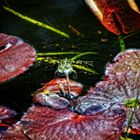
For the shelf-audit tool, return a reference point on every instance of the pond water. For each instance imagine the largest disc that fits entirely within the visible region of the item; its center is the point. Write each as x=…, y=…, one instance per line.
x=17, y=93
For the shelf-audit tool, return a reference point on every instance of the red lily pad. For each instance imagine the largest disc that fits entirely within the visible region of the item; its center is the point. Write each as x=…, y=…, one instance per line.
x=53, y=86
x=45, y=123
x=118, y=16
x=123, y=80
x=15, y=57
x=126, y=69
x=49, y=94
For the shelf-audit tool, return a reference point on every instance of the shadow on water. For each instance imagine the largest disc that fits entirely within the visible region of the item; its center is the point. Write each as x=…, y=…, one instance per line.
x=59, y=14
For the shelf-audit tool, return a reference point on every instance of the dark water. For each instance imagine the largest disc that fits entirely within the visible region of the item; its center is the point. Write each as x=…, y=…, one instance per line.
x=59, y=14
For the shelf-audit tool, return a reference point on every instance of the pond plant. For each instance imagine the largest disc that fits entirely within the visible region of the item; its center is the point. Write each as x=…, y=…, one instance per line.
x=16, y=57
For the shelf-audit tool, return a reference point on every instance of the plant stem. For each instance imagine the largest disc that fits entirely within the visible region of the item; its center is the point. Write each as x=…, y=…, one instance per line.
x=130, y=121
x=132, y=115
x=68, y=83
x=122, y=43
x=125, y=37
x=36, y=22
